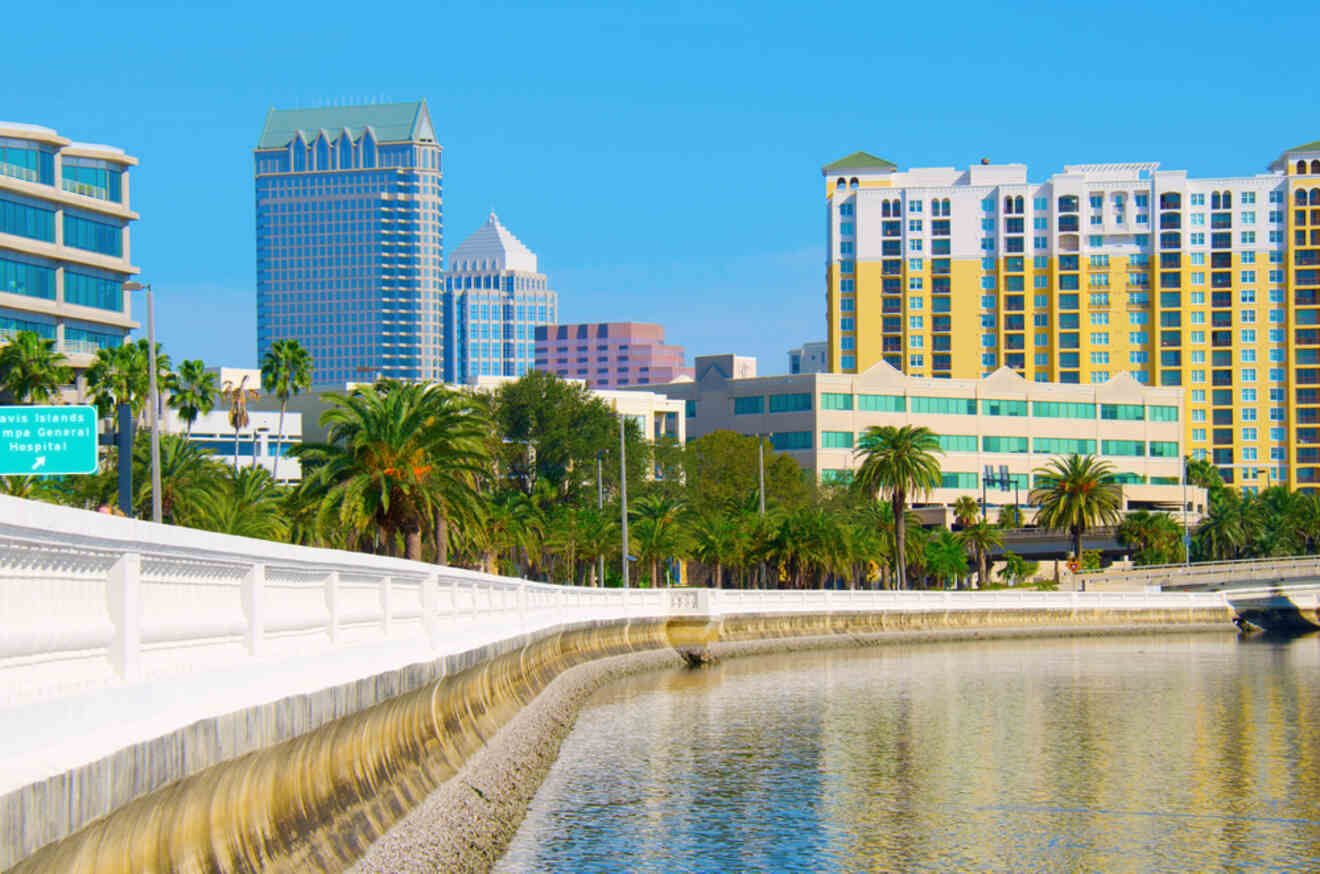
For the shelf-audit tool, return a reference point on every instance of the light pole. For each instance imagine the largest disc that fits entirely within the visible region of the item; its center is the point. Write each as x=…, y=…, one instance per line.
x=600, y=505
x=1187, y=532
x=623, y=498
x=155, y=397
x=760, y=469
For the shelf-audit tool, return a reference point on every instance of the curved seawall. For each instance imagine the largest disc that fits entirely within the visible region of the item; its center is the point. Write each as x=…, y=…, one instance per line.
x=319, y=799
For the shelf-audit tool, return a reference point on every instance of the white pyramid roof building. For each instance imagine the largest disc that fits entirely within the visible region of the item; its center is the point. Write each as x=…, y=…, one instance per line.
x=492, y=247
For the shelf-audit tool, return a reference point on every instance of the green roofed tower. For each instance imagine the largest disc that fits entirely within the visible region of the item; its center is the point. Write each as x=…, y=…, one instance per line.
x=350, y=253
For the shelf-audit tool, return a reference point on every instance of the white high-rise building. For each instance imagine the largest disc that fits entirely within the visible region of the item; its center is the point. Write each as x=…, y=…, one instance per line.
x=499, y=299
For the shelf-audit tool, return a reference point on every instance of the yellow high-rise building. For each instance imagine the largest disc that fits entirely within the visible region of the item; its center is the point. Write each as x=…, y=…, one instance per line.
x=1208, y=284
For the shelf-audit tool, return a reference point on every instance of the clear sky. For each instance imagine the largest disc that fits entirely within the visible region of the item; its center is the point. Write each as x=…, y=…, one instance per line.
x=662, y=159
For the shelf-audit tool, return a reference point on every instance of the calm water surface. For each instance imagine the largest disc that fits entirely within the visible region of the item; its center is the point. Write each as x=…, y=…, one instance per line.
x=1188, y=753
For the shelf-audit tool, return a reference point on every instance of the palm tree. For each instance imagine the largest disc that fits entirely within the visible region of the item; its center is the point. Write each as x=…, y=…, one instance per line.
x=1200, y=472
x=598, y=535
x=1016, y=568
x=389, y=445
x=898, y=461
x=713, y=538
x=237, y=396
x=117, y=377
x=1075, y=494
x=286, y=370
x=193, y=392
x=657, y=520
x=1154, y=538
x=965, y=510
x=31, y=371
x=945, y=557
x=982, y=537
x=189, y=475
x=1010, y=517
x=1223, y=532
x=248, y=503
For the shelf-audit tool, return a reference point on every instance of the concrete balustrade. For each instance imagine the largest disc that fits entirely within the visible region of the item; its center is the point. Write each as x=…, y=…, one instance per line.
x=134, y=656
x=1289, y=570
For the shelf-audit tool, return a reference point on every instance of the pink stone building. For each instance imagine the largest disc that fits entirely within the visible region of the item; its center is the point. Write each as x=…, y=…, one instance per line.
x=610, y=354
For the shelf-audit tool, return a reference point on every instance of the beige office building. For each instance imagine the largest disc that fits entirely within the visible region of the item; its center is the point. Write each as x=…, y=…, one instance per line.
x=1001, y=423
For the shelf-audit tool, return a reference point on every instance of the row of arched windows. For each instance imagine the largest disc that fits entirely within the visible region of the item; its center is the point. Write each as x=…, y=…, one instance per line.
x=1300, y=197
x=1221, y=200
x=1301, y=166
x=1013, y=205
x=846, y=183
x=939, y=207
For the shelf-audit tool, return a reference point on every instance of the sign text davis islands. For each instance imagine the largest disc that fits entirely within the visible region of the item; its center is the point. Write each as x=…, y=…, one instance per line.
x=47, y=440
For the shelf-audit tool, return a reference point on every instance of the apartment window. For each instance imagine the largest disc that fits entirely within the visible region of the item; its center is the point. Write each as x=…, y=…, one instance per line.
x=881, y=403
x=836, y=440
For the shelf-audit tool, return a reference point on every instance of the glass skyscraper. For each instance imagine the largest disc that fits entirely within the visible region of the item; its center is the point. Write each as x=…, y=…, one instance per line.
x=499, y=298
x=350, y=241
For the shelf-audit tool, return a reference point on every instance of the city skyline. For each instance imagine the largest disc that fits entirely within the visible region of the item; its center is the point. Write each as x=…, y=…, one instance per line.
x=608, y=177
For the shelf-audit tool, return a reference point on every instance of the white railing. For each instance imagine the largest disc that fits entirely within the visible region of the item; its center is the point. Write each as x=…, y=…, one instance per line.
x=89, y=600
x=1210, y=573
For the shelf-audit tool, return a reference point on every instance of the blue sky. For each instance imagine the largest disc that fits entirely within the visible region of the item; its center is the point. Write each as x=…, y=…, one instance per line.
x=662, y=159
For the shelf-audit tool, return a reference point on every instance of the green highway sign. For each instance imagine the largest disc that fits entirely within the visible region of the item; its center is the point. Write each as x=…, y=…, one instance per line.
x=47, y=440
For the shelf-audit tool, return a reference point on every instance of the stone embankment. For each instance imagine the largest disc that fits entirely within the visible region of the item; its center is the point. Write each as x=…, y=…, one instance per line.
x=438, y=777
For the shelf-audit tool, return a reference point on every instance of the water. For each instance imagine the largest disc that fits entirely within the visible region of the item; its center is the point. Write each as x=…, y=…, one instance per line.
x=1187, y=753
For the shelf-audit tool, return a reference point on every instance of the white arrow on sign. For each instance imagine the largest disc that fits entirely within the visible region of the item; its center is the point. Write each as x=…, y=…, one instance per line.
x=40, y=462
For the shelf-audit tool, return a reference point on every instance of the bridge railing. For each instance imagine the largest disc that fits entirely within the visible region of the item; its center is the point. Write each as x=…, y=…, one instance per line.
x=1209, y=574
x=90, y=600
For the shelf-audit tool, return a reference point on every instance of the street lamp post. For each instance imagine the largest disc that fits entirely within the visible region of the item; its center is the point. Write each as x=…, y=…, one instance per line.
x=155, y=398
x=1187, y=535
x=760, y=470
x=600, y=505
x=623, y=498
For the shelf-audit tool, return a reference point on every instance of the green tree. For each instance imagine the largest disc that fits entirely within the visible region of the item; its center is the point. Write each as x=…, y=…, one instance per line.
x=721, y=473
x=1200, y=472
x=898, y=462
x=286, y=370
x=656, y=530
x=552, y=429
x=1017, y=569
x=1075, y=494
x=1223, y=531
x=1010, y=517
x=946, y=560
x=982, y=537
x=31, y=371
x=965, y=510
x=189, y=476
x=387, y=445
x=713, y=539
x=193, y=391
x=245, y=502
x=1153, y=538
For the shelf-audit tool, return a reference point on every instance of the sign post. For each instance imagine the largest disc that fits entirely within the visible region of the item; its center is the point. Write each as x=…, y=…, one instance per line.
x=47, y=440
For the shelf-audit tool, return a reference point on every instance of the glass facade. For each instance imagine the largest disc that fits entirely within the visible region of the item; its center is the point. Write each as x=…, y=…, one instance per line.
x=43, y=180
x=350, y=246
x=31, y=280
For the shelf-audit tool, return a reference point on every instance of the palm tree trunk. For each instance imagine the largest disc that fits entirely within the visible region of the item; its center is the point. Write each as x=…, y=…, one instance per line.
x=442, y=541
x=981, y=569
x=719, y=576
x=236, y=449
x=279, y=442
x=1077, y=546
x=412, y=540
